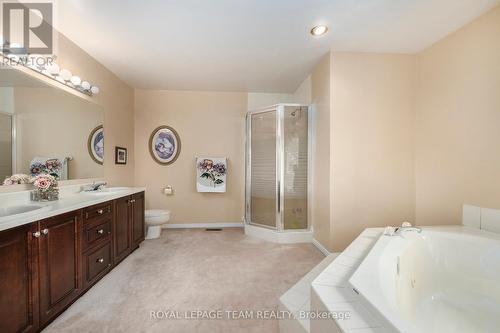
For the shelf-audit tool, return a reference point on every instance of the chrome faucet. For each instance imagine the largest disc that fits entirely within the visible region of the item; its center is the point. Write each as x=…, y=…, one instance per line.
x=95, y=186
x=406, y=226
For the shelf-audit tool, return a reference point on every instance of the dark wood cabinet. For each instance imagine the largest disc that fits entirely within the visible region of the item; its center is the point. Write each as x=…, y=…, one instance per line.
x=60, y=263
x=46, y=265
x=122, y=242
x=128, y=230
x=18, y=280
x=138, y=207
x=97, y=262
x=97, y=258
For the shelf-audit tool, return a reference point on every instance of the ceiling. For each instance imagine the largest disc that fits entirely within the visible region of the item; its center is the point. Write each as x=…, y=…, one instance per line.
x=249, y=45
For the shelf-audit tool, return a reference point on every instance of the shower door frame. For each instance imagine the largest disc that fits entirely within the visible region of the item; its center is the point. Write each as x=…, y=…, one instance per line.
x=280, y=168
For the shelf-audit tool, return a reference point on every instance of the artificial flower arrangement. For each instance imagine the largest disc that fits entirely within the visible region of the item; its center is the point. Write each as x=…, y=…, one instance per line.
x=17, y=179
x=45, y=188
x=45, y=185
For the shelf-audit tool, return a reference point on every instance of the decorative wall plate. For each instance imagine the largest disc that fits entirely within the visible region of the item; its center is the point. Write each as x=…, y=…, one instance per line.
x=95, y=144
x=164, y=145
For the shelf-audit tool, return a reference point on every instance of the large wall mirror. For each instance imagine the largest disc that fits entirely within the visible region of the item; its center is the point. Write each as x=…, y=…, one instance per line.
x=44, y=129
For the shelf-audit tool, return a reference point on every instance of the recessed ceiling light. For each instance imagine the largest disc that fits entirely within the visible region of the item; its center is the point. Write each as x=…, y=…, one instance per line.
x=319, y=30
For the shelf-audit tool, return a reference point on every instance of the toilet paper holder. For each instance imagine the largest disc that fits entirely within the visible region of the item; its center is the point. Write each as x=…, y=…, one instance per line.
x=168, y=190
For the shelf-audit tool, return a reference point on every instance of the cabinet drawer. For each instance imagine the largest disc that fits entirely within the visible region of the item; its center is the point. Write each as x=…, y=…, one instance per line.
x=98, y=211
x=97, y=263
x=95, y=231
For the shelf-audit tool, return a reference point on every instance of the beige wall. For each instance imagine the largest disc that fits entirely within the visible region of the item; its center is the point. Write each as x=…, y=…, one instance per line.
x=412, y=137
x=372, y=140
x=52, y=123
x=457, y=123
x=6, y=109
x=303, y=93
x=117, y=101
x=262, y=100
x=363, y=169
x=116, y=98
x=320, y=194
x=210, y=124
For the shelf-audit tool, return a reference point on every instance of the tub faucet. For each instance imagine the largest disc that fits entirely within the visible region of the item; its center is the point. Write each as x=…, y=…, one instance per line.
x=406, y=226
x=402, y=229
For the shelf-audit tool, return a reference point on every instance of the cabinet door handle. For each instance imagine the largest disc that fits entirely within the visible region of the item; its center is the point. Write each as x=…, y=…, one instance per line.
x=100, y=211
x=132, y=201
x=45, y=231
x=100, y=260
x=100, y=231
x=36, y=234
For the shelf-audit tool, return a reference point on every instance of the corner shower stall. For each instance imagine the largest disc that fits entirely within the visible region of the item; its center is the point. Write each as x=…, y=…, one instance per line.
x=277, y=167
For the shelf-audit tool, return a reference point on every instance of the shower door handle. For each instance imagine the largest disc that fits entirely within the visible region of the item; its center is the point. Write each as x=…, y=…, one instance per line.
x=279, y=196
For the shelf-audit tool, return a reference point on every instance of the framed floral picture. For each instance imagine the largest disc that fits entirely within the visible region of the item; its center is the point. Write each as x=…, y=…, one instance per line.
x=211, y=174
x=120, y=155
x=164, y=145
x=95, y=144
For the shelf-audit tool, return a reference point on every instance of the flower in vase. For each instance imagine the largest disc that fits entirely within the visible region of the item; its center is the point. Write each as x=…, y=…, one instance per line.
x=17, y=179
x=44, y=182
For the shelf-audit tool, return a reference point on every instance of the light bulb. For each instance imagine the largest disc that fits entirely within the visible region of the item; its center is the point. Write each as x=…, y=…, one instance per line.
x=76, y=80
x=65, y=74
x=319, y=30
x=3, y=47
x=13, y=57
x=94, y=90
x=85, y=85
x=53, y=68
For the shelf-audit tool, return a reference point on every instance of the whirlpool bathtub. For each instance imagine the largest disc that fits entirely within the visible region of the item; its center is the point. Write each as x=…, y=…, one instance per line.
x=445, y=279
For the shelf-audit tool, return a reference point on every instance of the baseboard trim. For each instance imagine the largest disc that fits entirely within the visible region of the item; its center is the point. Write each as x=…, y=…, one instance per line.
x=320, y=247
x=202, y=225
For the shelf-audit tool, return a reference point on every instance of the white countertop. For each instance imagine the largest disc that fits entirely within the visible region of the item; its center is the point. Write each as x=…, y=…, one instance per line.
x=71, y=198
x=332, y=288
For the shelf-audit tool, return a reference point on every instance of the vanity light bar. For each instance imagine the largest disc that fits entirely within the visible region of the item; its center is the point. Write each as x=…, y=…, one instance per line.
x=51, y=70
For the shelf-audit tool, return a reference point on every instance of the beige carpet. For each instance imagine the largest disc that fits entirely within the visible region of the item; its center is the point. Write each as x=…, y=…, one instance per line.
x=190, y=270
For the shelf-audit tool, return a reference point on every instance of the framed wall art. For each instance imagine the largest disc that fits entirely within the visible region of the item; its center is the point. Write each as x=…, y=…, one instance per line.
x=120, y=155
x=95, y=144
x=164, y=145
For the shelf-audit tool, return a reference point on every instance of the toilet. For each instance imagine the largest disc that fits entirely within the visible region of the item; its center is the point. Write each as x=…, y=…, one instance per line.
x=154, y=219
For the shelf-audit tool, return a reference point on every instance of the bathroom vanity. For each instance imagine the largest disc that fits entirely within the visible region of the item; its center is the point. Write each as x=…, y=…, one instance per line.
x=53, y=252
x=47, y=263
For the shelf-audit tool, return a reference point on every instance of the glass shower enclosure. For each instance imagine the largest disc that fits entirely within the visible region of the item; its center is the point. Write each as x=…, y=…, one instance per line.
x=277, y=163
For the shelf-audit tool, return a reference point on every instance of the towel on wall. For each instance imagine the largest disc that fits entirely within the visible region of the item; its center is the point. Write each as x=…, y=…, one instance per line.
x=211, y=174
x=57, y=167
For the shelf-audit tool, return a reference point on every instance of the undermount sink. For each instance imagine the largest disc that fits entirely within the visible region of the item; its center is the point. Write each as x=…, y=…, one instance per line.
x=108, y=191
x=14, y=211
